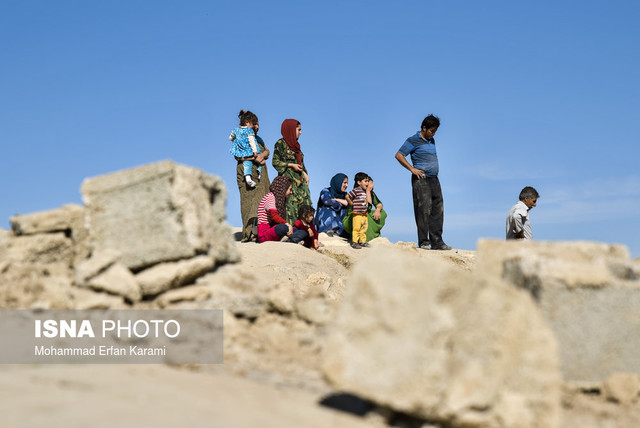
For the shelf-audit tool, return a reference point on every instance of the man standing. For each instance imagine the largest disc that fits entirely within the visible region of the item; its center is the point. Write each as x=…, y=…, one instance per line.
x=428, y=206
x=518, y=224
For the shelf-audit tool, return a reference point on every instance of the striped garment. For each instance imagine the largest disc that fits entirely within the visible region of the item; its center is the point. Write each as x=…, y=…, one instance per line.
x=267, y=203
x=359, y=199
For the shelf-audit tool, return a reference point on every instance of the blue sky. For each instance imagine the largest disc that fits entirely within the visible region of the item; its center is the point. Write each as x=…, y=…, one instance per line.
x=540, y=93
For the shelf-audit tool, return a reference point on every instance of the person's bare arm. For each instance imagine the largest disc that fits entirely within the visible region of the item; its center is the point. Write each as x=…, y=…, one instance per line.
x=403, y=161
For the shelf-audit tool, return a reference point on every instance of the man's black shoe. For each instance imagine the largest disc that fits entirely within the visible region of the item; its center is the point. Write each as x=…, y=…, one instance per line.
x=442, y=246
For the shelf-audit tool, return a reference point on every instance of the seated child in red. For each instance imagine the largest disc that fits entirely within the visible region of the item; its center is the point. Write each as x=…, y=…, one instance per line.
x=305, y=222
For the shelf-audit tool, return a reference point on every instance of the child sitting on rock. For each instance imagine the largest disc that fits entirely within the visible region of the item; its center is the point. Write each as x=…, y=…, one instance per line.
x=305, y=222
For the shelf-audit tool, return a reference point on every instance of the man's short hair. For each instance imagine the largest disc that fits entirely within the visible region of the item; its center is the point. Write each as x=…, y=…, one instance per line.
x=430, y=121
x=528, y=193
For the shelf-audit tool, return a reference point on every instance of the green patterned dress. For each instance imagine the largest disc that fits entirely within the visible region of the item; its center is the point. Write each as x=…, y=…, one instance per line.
x=300, y=195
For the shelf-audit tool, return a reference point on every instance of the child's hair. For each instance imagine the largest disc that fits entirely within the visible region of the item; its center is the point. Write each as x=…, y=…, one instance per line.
x=305, y=210
x=247, y=116
x=430, y=121
x=528, y=193
x=359, y=177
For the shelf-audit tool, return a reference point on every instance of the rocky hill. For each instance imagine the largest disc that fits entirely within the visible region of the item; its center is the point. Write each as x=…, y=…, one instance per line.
x=511, y=335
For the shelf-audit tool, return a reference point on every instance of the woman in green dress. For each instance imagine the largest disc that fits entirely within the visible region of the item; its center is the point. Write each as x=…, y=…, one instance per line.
x=288, y=160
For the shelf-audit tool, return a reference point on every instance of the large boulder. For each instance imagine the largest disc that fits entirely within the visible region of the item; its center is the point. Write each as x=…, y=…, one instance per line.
x=588, y=292
x=425, y=338
x=158, y=213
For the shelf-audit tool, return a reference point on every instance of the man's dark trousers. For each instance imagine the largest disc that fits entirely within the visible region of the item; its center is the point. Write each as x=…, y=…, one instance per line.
x=428, y=208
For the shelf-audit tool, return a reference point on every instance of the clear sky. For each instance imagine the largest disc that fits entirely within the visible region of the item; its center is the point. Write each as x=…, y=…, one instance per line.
x=543, y=93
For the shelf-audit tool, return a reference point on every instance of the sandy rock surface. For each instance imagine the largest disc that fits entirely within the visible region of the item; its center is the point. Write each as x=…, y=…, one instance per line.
x=153, y=396
x=274, y=342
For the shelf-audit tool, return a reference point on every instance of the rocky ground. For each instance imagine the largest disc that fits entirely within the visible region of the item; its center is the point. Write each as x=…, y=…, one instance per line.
x=277, y=318
x=513, y=335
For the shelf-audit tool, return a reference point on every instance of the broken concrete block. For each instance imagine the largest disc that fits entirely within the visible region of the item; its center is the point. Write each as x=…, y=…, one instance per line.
x=438, y=343
x=158, y=213
x=588, y=292
x=62, y=219
x=117, y=280
x=166, y=276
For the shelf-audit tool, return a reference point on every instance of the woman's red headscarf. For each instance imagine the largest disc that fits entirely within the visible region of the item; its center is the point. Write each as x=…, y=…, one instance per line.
x=288, y=130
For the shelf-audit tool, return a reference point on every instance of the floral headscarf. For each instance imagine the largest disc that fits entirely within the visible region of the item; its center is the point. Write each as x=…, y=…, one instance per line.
x=279, y=187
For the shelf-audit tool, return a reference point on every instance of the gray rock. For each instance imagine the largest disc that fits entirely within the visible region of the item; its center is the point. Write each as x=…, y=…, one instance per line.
x=35, y=271
x=62, y=219
x=237, y=291
x=33, y=285
x=192, y=293
x=166, y=276
x=84, y=299
x=588, y=292
x=316, y=310
x=69, y=219
x=621, y=388
x=5, y=236
x=244, y=305
x=282, y=299
x=157, y=213
x=438, y=343
x=38, y=249
x=97, y=263
x=117, y=280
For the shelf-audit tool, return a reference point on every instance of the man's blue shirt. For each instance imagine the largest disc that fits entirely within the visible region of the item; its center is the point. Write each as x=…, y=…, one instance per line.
x=423, y=154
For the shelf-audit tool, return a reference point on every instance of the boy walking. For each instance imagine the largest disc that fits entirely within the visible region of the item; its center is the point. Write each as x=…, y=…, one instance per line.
x=357, y=198
x=518, y=224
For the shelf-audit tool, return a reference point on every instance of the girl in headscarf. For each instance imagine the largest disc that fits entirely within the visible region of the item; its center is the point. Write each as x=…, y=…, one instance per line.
x=271, y=224
x=288, y=160
x=332, y=206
